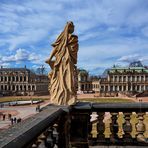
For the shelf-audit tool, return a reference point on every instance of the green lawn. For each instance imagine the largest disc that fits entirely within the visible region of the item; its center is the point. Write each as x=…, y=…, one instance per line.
x=106, y=100
x=20, y=99
x=102, y=100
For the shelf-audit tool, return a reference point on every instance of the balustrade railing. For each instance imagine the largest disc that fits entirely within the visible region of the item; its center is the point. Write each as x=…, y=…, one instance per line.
x=80, y=126
x=113, y=124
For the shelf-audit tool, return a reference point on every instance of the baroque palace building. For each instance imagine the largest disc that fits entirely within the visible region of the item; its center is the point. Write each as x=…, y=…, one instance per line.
x=22, y=81
x=128, y=81
x=85, y=83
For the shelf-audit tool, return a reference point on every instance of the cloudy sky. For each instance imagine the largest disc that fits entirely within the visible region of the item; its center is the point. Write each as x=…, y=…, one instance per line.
x=110, y=31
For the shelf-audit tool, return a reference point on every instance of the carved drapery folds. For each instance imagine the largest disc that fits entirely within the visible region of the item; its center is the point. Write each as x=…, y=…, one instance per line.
x=62, y=76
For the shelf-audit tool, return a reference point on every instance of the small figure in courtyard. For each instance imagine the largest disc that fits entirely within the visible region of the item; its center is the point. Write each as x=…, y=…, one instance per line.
x=4, y=116
x=62, y=76
x=11, y=121
x=38, y=108
x=9, y=116
x=14, y=119
x=19, y=120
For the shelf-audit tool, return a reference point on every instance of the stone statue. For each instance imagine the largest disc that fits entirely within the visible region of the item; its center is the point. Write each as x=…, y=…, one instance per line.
x=63, y=60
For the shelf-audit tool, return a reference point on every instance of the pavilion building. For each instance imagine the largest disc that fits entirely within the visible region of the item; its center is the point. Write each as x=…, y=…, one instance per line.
x=22, y=81
x=128, y=81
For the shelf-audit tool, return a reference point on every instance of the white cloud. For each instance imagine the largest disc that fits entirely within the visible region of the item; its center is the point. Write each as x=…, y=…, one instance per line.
x=20, y=56
x=130, y=58
x=107, y=30
x=31, y=21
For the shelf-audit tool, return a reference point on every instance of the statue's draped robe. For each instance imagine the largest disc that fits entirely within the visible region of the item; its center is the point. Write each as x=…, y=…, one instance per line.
x=62, y=76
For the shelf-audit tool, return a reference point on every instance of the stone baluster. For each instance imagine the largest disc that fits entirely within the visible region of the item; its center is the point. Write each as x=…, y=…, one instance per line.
x=114, y=128
x=42, y=141
x=127, y=128
x=90, y=124
x=140, y=128
x=63, y=130
x=100, y=127
x=34, y=146
x=50, y=140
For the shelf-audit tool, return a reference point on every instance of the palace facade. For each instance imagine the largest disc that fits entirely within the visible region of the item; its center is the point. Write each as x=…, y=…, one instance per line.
x=86, y=84
x=22, y=81
x=127, y=81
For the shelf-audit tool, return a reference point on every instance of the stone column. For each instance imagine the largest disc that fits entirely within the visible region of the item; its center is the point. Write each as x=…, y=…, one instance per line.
x=135, y=87
x=108, y=78
x=108, y=88
x=113, y=78
x=140, y=78
x=126, y=87
x=144, y=78
x=135, y=78
x=117, y=87
x=131, y=87
x=27, y=78
x=113, y=87
x=139, y=87
x=126, y=78
x=117, y=78
x=144, y=87
x=122, y=87
x=122, y=79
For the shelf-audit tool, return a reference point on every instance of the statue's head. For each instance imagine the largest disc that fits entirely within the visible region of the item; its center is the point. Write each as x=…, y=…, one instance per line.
x=70, y=27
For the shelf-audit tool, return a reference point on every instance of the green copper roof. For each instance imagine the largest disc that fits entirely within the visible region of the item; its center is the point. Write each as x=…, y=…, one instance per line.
x=128, y=69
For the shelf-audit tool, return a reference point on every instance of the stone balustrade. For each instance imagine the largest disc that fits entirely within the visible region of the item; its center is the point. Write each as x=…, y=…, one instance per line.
x=81, y=126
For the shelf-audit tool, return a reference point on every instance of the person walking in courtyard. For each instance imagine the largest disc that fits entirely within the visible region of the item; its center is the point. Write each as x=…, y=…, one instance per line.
x=9, y=116
x=11, y=121
x=14, y=119
x=4, y=116
x=19, y=120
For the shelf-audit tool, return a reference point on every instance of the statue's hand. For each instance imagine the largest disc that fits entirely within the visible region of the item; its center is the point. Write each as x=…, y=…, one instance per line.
x=48, y=61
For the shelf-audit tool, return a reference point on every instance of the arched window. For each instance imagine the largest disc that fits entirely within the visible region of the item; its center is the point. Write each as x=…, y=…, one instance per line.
x=33, y=88
x=13, y=87
x=16, y=78
x=20, y=78
x=24, y=87
x=21, y=87
x=17, y=88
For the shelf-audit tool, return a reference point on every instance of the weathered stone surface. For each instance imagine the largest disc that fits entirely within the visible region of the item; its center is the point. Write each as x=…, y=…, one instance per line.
x=63, y=67
x=20, y=135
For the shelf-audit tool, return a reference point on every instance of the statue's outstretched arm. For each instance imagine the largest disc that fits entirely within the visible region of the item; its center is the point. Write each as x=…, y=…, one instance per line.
x=51, y=56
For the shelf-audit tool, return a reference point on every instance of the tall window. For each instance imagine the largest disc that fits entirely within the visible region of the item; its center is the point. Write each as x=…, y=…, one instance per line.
x=133, y=78
x=20, y=78
x=115, y=78
x=16, y=78
x=124, y=78
x=13, y=87
x=137, y=78
x=129, y=78
x=142, y=78
x=21, y=87
x=120, y=78
x=13, y=78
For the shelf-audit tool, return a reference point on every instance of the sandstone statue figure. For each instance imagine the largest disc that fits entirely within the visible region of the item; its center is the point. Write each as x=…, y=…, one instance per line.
x=63, y=60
